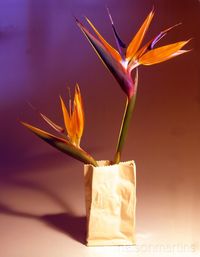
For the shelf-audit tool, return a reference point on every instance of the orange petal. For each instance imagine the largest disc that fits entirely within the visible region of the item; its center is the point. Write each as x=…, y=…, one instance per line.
x=108, y=47
x=67, y=119
x=77, y=119
x=163, y=53
x=145, y=48
x=78, y=96
x=137, y=40
x=79, y=111
x=147, y=45
x=73, y=137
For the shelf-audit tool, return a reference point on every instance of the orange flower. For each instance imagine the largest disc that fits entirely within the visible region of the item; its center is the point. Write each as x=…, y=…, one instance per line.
x=74, y=119
x=74, y=123
x=122, y=62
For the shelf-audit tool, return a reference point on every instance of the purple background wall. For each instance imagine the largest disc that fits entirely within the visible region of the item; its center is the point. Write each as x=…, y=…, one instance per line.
x=42, y=51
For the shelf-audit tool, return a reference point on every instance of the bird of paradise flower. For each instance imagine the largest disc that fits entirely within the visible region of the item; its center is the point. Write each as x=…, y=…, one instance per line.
x=70, y=139
x=121, y=63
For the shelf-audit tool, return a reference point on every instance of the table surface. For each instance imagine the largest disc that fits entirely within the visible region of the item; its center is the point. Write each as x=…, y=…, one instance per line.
x=42, y=212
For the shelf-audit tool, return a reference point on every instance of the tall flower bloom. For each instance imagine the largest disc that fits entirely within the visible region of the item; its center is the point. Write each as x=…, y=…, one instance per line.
x=69, y=142
x=122, y=62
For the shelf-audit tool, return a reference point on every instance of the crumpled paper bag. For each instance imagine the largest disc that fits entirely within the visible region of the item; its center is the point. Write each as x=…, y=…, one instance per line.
x=110, y=193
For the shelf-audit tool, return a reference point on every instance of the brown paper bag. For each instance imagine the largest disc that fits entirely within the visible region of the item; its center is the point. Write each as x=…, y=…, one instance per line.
x=110, y=192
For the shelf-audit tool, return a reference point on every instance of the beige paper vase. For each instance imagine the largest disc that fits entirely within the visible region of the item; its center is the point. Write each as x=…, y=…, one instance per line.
x=110, y=192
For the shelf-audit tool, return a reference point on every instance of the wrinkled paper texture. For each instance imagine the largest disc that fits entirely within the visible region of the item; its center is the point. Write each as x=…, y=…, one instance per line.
x=110, y=192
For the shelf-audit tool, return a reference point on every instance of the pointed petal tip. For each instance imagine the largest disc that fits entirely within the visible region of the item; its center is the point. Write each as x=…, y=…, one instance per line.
x=109, y=15
x=76, y=19
x=61, y=98
x=32, y=128
x=170, y=28
x=185, y=42
x=87, y=19
x=80, y=24
x=22, y=122
x=190, y=39
x=26, y=125
x=109, y=49
x=179, y=52
x=120, y=44
x=77, y=88
x=138, y=38
x=52, y=124
x=152, y=12
x=163, y=53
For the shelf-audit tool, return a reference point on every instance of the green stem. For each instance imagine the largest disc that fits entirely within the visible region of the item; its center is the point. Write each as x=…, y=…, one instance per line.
x=130, y=103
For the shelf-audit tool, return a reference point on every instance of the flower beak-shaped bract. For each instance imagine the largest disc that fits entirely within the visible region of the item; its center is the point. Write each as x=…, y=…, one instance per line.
x=122, y=62
x=69, y=142
x=74, y=119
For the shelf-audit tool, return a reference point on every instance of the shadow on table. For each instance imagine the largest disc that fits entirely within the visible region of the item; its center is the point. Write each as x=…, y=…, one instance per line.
x=72, y=225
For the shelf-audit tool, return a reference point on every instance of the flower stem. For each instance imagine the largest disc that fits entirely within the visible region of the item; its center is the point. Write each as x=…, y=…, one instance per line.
x=130, y=103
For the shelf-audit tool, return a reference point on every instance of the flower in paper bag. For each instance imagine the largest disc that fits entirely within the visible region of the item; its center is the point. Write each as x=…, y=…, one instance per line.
x=121, y=63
